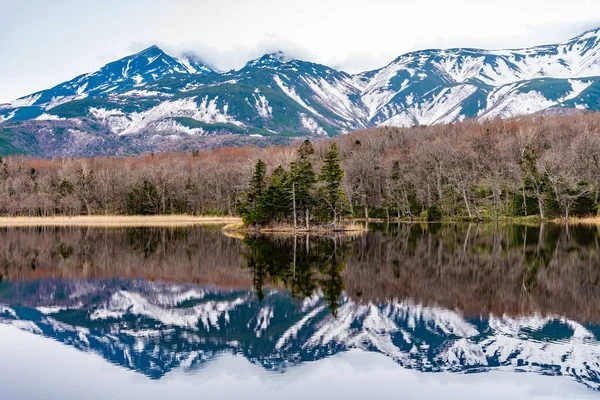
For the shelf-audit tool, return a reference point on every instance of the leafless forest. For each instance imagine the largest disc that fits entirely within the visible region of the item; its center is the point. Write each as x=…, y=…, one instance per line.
x=547, y=166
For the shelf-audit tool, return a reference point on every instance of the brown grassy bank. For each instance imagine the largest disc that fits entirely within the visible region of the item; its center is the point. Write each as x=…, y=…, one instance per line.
x=116, y=221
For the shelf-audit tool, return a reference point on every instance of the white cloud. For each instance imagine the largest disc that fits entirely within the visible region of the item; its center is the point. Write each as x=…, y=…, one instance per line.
x=353, y=35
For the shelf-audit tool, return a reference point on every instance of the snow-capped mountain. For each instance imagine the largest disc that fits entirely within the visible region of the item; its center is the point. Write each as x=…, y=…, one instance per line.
x=119, y=76
x=440, y=86
x=151, y=101
x=153, y=328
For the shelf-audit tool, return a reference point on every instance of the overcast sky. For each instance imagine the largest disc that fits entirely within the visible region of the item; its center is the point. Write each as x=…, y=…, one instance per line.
x=45, y=42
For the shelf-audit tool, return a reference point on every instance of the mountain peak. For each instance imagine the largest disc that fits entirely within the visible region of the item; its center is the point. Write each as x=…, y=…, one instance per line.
x=152, y=50
x=271, y=59
x=279, y=56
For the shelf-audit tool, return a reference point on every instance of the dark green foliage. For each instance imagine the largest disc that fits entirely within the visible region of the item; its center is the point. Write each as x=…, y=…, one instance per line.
x=303, y=179
x=143, y=200
x=434, y=213
x=276, y=201
x=332, y=175
x=258, y=183
x=291, y=195
x=252, y=210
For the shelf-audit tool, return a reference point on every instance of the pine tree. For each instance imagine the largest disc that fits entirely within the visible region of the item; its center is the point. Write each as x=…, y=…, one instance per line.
x=258, y=182
x=332, y=175
x=251, y=210
x=276, y=202
x=306, y=150
x=303, y=179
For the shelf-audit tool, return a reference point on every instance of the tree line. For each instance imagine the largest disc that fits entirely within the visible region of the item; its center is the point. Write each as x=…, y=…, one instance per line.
x=545, y=166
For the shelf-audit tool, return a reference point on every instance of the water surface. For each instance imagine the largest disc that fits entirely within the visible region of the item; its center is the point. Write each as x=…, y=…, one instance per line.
x=413, y=309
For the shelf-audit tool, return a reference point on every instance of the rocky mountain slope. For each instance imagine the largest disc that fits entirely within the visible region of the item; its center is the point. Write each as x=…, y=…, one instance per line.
x=151, y=101
x=154, y=328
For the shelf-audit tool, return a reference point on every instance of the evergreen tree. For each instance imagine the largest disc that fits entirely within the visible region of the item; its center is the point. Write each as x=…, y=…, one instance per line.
x=142, y=200
x=303, y=179
x=434, y=213
x=258, y=182
x=275, y=202
x=306, y=150
x=332, y=175
x=251, y=210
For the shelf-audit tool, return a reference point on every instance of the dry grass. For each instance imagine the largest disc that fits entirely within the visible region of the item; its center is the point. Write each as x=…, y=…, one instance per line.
x=582, y=221
x=283, y=228
x=116, y=221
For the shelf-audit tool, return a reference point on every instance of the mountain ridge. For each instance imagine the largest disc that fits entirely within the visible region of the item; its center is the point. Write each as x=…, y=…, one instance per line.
x=151, y=101
x=153, y=328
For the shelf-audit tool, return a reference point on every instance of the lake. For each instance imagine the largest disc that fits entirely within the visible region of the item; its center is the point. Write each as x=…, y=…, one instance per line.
x=403, y=311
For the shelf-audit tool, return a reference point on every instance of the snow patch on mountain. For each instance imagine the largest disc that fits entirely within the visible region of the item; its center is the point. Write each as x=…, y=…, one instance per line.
x=59, y=100
x=444, y=106
x=463, y=353
x=262, y=320
x=519, y=103
x=7, y=310
x=11, y=115
x=377, y=92
x=262, y=105
x=144, y=93
x=176, y=296
x=49, y=117
x=27, y=326
x=170, y=125
x=51, y=309
x=207, y=111
x=124, y=302
x=335, y=96
x=26, y=101
x=448, y=322
x=459, y=69
x=292, y=332
x=312, y=125
x=579, y=86
x=290, y=92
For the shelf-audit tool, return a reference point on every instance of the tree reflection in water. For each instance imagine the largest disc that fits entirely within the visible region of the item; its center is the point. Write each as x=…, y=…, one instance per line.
x=300, y=263
x=549, y=269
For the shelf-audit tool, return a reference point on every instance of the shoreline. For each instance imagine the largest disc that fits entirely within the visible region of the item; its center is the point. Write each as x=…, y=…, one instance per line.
x=240, y=230
x=116, y=221
x=581, y=221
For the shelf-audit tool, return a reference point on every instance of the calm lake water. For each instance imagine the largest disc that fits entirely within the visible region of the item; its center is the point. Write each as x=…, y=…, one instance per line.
x=404, y=311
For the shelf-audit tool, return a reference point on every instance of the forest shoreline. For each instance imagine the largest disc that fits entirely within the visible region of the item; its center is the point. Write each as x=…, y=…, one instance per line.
x=118, y=221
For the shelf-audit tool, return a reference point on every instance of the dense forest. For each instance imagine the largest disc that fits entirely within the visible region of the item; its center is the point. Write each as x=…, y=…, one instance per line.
x=545, y=166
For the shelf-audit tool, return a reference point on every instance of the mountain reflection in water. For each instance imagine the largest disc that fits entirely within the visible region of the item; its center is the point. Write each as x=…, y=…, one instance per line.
x=460, y=298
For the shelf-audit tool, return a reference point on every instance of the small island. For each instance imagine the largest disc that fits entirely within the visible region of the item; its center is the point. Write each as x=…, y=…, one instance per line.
x=295, y=198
